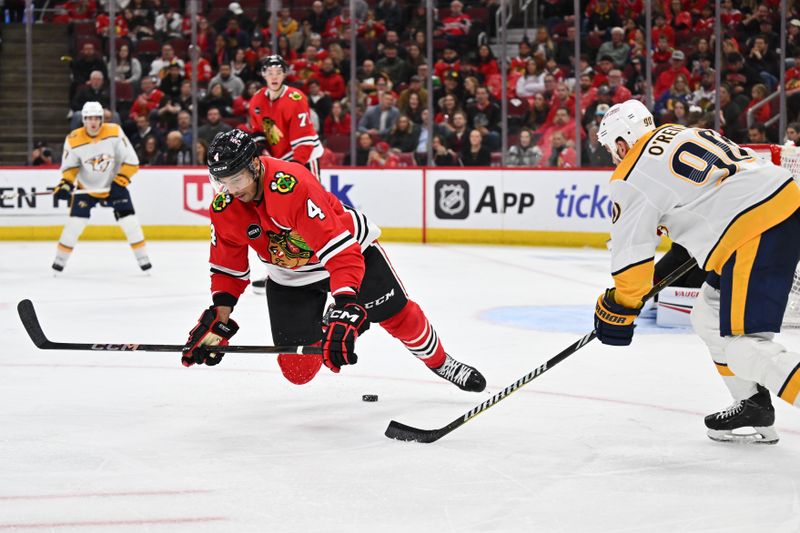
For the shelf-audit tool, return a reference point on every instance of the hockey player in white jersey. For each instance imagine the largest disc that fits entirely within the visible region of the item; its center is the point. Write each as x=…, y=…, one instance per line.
x=739, y=217
x=98, y=157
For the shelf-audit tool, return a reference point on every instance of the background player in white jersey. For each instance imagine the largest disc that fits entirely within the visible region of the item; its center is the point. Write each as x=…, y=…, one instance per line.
x=739, y=217
x=98, y=157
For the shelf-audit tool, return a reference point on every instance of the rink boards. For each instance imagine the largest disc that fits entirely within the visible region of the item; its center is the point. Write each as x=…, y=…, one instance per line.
x=467, y=205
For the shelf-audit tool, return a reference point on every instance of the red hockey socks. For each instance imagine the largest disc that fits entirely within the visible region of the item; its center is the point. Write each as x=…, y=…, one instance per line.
x=299, y=368
x=411, y=327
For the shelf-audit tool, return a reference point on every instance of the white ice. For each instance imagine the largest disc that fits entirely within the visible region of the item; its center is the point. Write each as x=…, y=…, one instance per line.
x=610, y=440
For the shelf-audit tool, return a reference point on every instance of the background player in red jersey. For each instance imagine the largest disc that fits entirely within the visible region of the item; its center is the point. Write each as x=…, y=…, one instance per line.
x=282, y=114
x=313, y=245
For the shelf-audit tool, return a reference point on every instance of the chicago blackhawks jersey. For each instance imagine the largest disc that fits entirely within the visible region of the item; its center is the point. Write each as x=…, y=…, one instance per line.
x=702, y=190
x=286, y=124
x=302, y=233
x=94, y=162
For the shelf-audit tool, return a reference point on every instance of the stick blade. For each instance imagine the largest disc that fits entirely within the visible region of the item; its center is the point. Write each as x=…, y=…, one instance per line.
x=399, y=431
x=28, y=316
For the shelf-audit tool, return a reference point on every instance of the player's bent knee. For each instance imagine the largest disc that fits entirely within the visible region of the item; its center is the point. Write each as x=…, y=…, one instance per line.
x=746, y=354
x=299, y=369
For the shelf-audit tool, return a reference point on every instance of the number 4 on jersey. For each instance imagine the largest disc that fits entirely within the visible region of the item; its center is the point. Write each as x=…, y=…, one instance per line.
x=314, y=210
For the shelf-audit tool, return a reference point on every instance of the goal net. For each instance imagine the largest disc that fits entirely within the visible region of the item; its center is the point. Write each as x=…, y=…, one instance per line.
x=789, y=158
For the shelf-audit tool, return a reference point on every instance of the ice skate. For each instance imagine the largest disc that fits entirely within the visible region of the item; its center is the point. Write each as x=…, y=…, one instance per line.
x=260, y=286
x=747, y=421
x=58, y=265
x=144, y=263
x=462, y=376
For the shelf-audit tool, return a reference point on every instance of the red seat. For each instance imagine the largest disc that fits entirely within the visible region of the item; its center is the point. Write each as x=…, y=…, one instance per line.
x=518, y=107
x=148, y=47
x=338, y=143
x=497, y=159
x=80, y=40
x=83, y=28
x=180, y=45
x=406, y=159
x=124, y=91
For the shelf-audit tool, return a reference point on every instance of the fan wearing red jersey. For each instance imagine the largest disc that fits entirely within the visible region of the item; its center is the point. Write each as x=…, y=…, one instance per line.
x=312, y=245
x=281, y=114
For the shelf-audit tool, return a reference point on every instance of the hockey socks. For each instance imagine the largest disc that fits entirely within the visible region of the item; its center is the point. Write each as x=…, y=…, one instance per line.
x=133, y=232
x=411, y=327
x=69, y=238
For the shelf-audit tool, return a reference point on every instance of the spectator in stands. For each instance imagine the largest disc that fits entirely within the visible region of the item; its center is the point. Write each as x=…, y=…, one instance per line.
x=563, y=123
x=562, y=154
x=792, y=136
x=396, y=68
x=539, y=112
x=617, y=49
x=363, y=148
x=663, y=51
x=486, y=63
x=185, y=127
x=601, y=20
x=177, y=152
x=317, y=20
x=793, y=37
x=418, y=21
x=330, y=81
x=484, y=116
x=532, y=82
x=204, y=70
x=168, y=24
x=666, y=102
x=459, y=133
x=94, y=91
x=667, y=78
x=170, y=106
x=563, y=98
x=307, y=66
x=764, y=61
x=740, y=77
x=604, y=66
x=148, y=100
x=160, y=66
x=405, y=135
x=240, y=67
x=443, y=156
x=456, y=26
x=82, y=66
x=680, y=113
x=336, y=25
x=636, y=78
x=524, y=153
x=729, y=15
x=619, y=93
x=701, y=51
x=43, y=155
x=474, y=153
x=205, y=36
x=595, y=155
x=367, y=76
x=415, y=56
x=752, y=21
x=390, y=12
x=451, y=84
x=230, y=81
x=338, y=121
x=704, y=95
x=383, y=156
x=241, y=104
x=730, y=113
x=662, y=28
x=471, y=85
x=129, y=69
x=448, y=109
x=449, y=62
x=318, y=101
x=253, y=54
x=149, y=154
x=221, y=55
x=757, y=133
x=143, y=129
x=234, y=12
x=170, y=84
x=763, y=113
x=379, y=119
x=213, y=125
x=200, y=150
x=413, y=108
x=286, y=24
x=217, y=97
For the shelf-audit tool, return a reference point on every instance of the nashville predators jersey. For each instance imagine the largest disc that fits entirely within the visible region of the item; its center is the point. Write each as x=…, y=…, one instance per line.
x=94, y=162
x=699, y=188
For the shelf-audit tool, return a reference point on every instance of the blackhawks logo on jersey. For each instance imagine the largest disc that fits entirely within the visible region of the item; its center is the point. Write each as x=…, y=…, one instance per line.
x=295, y=96
x=272, y=132
x=220, y=202
x=288, y=249
x=283, y=183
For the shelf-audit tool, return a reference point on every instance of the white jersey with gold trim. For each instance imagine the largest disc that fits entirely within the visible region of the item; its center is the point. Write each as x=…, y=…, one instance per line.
x=95, y=161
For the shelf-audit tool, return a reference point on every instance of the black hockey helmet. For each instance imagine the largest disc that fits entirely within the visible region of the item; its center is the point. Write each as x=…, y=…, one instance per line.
x=273, y=61
x=230, y=152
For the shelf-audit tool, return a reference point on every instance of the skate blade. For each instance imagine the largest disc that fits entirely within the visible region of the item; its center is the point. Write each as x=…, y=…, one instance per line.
x=755, y=435
x=259, y=290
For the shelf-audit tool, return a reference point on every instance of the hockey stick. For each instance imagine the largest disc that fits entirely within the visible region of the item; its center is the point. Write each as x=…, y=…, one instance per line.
x=399, y=431
x=15, y=195
x=31, y=322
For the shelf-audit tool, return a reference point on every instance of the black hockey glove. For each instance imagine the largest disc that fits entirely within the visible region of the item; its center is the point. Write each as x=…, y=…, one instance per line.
x=209, y=331
x=346, y=320
x=613, y=323
x=63, y=190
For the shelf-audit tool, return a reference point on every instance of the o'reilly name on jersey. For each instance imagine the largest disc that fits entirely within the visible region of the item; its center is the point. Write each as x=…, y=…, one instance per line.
x=452, y=200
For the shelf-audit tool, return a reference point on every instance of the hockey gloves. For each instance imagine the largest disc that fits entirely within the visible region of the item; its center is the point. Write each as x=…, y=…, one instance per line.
x=346, y=320
x=63, y=190
x=613, y=323
x=209, y=331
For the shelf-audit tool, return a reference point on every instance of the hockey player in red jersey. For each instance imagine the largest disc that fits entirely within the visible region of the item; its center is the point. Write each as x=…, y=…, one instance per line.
x=312, y=245
x=281, y=113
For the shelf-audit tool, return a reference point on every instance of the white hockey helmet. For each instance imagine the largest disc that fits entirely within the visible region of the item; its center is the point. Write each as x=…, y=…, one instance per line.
x=92, y=109
x=629, y=120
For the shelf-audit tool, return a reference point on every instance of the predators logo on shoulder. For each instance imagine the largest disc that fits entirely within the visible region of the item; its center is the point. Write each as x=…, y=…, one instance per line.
x=283, y=183
x=295, y=96
x=220, y=202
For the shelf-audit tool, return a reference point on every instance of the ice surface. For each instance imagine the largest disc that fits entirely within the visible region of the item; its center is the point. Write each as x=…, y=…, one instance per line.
x=610, y=440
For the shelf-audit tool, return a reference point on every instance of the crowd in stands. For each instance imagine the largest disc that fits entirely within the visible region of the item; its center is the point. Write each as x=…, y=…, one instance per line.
x=390, y=116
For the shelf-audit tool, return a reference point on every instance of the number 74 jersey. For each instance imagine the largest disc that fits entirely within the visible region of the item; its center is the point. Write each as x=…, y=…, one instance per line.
x=702, y=190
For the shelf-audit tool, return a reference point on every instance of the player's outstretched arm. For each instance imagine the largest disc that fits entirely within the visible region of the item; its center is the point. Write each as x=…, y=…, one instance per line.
x=213, y=328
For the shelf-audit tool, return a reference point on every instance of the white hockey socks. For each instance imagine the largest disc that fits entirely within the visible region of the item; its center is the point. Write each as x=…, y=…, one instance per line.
x=760, y=358
x=133, y=232
x=69, y=238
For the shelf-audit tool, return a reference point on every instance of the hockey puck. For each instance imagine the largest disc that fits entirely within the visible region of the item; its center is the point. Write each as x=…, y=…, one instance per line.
x=369, y=398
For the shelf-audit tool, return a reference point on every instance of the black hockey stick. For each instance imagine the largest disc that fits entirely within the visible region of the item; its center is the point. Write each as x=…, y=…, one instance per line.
x=31, y=322
x=399, y=431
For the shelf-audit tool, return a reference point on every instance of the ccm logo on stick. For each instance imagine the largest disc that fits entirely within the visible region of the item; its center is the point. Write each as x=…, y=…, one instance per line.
x=116, y=347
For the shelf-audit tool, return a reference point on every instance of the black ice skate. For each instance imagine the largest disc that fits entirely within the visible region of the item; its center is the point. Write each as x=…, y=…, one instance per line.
x=755, y=413
x=260, y=286
x=462, y=376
